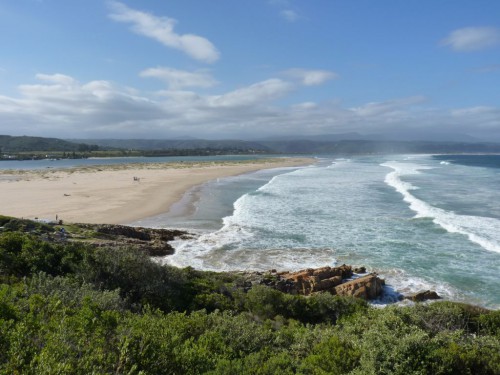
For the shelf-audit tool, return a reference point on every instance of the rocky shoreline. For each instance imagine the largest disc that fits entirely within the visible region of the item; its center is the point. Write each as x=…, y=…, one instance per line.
x=343, y=280
x=154, y=242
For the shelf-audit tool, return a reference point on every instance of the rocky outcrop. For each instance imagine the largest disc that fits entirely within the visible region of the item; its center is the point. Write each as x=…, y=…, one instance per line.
x=155, y=242
x=422, y=295
x=144, y=234
x=317, y=280
x=366, y=287
x=360, y=270
x=325, y=279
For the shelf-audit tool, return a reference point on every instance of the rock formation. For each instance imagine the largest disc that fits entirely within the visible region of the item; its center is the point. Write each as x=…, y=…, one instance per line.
x=325, y=279
x=155, y=242
x=366, y=287
x=422, y=295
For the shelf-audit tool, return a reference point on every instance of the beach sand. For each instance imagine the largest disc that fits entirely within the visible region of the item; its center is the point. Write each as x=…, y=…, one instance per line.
x=117, y=194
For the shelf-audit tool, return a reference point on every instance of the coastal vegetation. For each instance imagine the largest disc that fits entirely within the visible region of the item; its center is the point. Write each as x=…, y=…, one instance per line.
x=94, y=303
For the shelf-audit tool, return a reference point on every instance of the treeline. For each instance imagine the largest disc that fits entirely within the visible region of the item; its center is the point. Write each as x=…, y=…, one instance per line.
x=300, y=146
x=70, y=308
x=13, y=145
x=209, y=151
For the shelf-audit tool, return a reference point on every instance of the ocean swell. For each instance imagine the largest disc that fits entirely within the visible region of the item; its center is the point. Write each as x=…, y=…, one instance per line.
x=484, y=231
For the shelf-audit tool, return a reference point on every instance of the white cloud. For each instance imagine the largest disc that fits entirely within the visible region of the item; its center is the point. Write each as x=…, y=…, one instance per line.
x=264, y=91
x=290, y=15
x=287, y=11
x=180, y=79
x=305, y=106
x=61, y=106
x=56, y=78
x=311, y=77
x=387, y=108
x=472, y=39
x=64, y=107
x=161, y=29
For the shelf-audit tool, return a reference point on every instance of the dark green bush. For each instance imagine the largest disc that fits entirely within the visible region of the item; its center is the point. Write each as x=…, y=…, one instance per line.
x=333, y=356
x=139, y=280
x=24, y=255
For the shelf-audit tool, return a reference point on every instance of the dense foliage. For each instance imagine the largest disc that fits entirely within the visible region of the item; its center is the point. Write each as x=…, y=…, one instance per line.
x=67, y=308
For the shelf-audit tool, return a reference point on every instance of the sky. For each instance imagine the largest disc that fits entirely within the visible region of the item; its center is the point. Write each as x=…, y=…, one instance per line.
x=249, y=69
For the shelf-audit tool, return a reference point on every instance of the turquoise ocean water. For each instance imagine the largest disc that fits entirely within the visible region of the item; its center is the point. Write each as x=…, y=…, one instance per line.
x=421, y=222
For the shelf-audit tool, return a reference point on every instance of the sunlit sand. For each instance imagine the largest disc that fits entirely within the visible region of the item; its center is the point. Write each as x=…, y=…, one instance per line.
x=117, y=194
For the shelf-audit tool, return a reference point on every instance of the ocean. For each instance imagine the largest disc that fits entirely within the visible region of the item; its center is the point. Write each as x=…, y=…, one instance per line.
x=419, y=221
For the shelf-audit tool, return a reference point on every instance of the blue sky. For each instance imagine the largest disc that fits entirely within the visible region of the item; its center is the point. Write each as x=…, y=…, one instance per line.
x=248, y=68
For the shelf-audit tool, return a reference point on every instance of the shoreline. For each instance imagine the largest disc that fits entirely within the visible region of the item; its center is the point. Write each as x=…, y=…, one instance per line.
x=115, y=194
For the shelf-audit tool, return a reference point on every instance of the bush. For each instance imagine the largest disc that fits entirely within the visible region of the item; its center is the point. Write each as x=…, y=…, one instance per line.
x=24, y=255
x=333, y=356
x=72, y=292
x=140, y=281
x=489, y=323
x=445, y=316
x=267, y=303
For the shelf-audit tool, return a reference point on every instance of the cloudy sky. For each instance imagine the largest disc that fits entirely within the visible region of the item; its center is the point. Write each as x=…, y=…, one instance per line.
x=248, y=68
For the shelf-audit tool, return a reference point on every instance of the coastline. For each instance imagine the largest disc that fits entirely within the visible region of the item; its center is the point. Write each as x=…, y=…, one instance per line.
x=115, y=194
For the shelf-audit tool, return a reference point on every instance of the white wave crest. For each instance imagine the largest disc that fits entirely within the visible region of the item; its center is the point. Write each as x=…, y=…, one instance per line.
x=484, y=231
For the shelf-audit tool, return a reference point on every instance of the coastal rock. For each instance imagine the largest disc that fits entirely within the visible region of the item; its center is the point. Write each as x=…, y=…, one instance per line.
x=324, y=279
x=359, y=270
x=144, y=234
x=366, y=287
x=422, y=295
x=154, y=242
x=311, y=280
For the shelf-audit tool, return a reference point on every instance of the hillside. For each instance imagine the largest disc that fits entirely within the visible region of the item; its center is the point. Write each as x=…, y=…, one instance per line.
x=165, y=147
x=11, y=144
x=302, y=146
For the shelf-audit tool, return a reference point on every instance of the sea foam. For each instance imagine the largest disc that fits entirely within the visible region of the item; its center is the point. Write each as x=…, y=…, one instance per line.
x=484, y=231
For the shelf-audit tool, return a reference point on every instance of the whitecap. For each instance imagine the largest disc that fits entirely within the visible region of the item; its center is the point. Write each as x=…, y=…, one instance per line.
x=484, y=231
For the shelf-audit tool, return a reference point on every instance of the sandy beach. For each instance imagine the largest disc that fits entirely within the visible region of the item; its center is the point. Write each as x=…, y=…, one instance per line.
x=117, y=194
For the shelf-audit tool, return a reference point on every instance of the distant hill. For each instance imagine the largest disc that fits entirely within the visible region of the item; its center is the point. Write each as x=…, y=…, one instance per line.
x=305, y=146
x=11, y=144
x=178, y=144
x=158, y=147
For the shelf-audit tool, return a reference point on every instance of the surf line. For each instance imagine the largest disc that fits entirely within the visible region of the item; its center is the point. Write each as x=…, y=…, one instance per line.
x=449, y=221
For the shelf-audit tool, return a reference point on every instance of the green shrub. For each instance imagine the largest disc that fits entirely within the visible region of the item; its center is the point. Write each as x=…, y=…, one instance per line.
x=140, y=281
x=72, y=292
x=23, y=255
x=260, y=363
x=489, y=323
x=458, y=354
x=333, y=356
x=445, y=316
